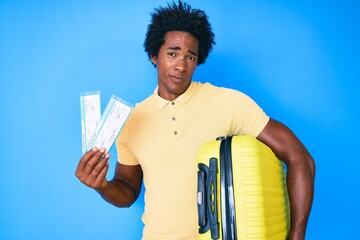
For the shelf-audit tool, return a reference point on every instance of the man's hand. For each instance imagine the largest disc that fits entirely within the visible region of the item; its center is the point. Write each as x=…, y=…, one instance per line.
x=92, y=169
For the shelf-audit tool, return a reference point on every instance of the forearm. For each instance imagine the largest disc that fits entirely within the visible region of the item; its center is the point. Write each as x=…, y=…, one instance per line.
x=300, y=182
x=118, y=193
x=301, y=173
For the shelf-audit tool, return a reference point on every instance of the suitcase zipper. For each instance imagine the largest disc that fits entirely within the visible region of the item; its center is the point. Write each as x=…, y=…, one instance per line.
x=228, y=219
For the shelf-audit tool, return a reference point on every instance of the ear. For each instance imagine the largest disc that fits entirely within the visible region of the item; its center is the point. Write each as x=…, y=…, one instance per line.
x=154, y=60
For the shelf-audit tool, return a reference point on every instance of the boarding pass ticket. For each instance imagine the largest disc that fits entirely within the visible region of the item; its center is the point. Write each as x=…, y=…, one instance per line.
x=101, y=130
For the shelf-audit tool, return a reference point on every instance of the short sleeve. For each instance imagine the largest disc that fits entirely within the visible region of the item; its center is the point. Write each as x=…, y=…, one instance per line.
x=125, y=155
x=243, y=114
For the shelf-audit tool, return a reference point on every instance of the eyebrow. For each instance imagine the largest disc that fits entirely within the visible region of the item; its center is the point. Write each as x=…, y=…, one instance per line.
x=179, y=48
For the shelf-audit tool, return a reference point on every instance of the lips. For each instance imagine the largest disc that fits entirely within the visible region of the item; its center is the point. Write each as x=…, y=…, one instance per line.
x=177, y=78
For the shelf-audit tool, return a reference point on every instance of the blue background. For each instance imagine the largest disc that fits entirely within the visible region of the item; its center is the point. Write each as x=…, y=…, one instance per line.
x=298, y=59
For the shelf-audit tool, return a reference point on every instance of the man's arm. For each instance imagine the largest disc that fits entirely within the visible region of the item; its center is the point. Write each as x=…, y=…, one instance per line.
x=301, y=173
x=125, y=187
x=122, y=190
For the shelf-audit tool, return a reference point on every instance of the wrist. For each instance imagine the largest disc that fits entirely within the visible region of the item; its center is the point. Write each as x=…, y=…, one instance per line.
x=103, y=187
x=296, y=235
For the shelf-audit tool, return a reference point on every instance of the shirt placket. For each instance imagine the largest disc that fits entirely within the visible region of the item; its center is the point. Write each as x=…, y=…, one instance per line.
x=174, y=120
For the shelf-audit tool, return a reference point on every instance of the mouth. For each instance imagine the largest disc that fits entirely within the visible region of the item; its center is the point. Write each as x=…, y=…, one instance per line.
x=177, y=78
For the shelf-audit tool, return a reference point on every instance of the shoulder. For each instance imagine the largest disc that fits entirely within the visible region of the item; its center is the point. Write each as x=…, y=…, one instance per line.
x=209, y=89
x=147, y=103
x=225, y=93
x=222, y=90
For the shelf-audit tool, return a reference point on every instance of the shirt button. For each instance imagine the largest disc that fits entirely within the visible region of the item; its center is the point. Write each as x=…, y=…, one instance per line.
x=175, y=132
x=173, y=118
x=173, y=103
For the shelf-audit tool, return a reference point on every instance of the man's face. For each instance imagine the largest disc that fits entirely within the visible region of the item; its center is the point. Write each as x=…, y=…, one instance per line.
x=176, y=63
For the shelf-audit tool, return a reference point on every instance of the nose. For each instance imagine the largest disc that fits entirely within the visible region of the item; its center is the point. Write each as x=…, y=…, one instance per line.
x=181, y=65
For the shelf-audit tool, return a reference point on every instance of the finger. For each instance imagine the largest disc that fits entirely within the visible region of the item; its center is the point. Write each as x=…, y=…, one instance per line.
x=94, y=167
x=84, y=160
x=96, y=177
x=92, y=162
x=101, y=181
x=99, y=166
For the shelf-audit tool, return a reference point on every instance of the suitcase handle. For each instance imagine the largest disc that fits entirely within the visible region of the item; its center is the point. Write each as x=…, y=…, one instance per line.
x=207, y=198
x=201, y=200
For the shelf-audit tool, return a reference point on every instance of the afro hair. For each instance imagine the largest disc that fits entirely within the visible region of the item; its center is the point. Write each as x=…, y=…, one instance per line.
x=179, y=17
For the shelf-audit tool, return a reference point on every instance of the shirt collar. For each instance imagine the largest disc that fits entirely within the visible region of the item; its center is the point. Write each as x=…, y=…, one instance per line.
x=182, y=99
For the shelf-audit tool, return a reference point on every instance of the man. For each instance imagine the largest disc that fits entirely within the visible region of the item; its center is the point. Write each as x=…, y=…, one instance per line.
x=160, y=141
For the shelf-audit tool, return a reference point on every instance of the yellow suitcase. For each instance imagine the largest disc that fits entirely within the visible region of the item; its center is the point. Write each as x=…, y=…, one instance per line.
x=242, y=191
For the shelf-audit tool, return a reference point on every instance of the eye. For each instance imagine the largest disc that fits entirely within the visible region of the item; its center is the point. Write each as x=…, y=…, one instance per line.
x=191, y=58
x=172, y=54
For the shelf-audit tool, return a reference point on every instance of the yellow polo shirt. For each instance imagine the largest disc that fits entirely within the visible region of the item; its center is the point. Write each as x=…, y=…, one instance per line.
x=164, y=137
